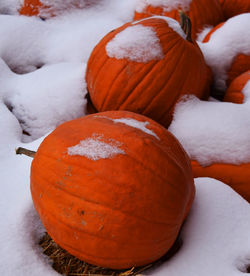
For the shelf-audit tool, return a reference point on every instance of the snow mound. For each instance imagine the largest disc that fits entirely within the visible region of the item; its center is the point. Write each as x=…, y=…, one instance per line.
x=213, y=132
x=225, y=44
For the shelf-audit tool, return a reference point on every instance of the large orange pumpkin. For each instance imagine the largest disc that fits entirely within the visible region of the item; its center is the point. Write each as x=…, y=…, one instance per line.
x=112, y=189
x=153, y=86
x=234, y=92
x=234, y=7
x=201, y=12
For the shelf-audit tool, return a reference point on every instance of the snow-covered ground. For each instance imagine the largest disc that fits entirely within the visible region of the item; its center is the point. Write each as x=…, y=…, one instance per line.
x=42, y=67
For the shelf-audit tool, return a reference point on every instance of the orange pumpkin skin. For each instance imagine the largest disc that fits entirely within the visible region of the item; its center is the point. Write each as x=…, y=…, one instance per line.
x=30, y=8
x=231, y=8
x=240, y=63
x=114, y=212
x=234, y=92
x=236, y=176
x=201, y=14
x=152, y=88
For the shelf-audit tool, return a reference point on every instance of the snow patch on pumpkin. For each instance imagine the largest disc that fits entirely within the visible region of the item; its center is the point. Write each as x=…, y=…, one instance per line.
x=95, y=149
x=167, y=5
x=172, y=23
x=136, y=124
x=213, y=132
x=136, y=43
x=225, y=44
x=133, y=123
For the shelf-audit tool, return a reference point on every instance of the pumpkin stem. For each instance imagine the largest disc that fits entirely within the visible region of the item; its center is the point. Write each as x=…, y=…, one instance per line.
x=186, y=25
x=24, y=151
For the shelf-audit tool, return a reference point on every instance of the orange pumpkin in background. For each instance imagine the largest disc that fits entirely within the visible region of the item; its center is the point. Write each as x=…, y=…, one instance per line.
x=234, y=92
x=150, y=87
x=200, y=12
x=236, y=176
x=30, y=8
x=113, y=189
x=231, y=8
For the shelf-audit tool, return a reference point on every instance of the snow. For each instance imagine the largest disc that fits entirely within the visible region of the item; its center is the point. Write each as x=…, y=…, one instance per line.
x=213, y=132
x=246, y=91
x=167, y=5
x=172, y=23
x=133, y=123
x=136, y=43
x=42, y=65
x=225, y=44
x=95, y=149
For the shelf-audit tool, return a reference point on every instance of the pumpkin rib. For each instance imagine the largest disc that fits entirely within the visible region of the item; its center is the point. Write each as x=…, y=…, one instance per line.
x=132, y=88
x=102, y=204
x=159, y=95
x=151, y=72
x=58, y=219
x=103, y=258
x=133, y=158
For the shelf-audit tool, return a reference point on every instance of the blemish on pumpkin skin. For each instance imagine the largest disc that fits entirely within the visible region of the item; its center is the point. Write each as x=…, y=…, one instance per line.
x=83, y=222
x=81, y=212
x=100, y=228
x=41, y=195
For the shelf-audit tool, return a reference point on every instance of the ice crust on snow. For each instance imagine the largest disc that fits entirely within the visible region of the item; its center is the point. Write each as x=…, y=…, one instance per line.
x=136, y=43
x=225, y=44
x=213, y=132
x=95, y=149
x=167, y=5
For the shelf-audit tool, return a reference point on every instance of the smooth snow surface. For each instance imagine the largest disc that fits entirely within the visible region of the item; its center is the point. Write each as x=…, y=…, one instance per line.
x=167, y=5
x=136, y=43
x=213, y=131
x=225, y=44
x=93, y=148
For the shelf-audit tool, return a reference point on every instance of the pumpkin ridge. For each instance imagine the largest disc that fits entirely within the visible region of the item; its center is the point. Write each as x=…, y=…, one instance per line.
x=107, y=258
x=105, y=206
x=140, y=242
x=115, y=210
x=159, y=95
x=145, y=75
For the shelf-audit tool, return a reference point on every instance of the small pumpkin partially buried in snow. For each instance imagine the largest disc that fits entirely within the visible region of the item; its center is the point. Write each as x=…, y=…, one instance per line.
x=145, y=66
x=113, y=189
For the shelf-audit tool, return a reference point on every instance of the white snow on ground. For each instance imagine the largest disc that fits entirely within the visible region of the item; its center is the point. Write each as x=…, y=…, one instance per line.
x=46, y=88
x=225, y=44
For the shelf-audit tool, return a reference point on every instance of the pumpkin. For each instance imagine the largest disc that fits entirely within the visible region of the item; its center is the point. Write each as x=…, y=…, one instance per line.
x=145, y=67
x=235, y=93
x=31, y=8
x=231, y=8
x=226, y=49
x=112, y=189
x=236, y=176
x=201, y=12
